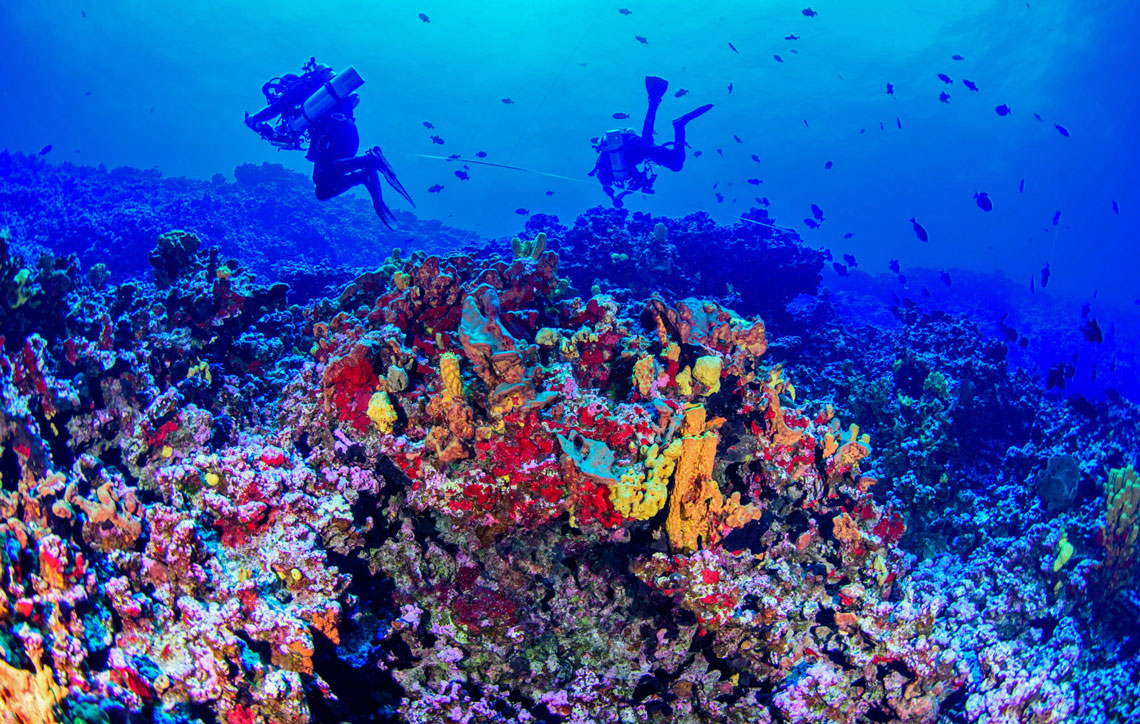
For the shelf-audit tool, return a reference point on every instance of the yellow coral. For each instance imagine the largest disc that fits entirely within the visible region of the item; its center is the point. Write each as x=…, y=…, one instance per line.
x=684, y=381
x=706, y=370
x=640, y=495
x=381, y=412
x=644, y=373
x=1064, y=552
x=452, y=379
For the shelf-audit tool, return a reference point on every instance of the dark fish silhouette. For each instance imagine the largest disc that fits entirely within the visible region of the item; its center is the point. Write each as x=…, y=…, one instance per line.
x=435, y=189
x=944, y=78
x=83, y=13
x=681, y=92
x=730, y=88
x=850, y=260
x=763, y=201
x=945, y=277
x=425, y=18
x=481, y=154
x=1115, y=207
x=970, y=84
x=806, y=124
x=848, y=235
x=778, y=58
x=881, y=127
x=621, y=116
x=454, y=157
x=840, y=269
x=755, y=181
x=890, y=89
x=521, y=211
x=1038, y=116
x=736, y=138
x=894, y=266
x=437, y=140
x=791, y=37
x=1021, y=187
x=755, y=158
x=625, y=11
x=898, y=122
x=641, y=39
x=1045, y=275
x=1061, y=129
x=827, y=166
x=428, y=125
x=45, y=150
x=1002, y=110
x=1056, y=218
x=983, y=201
x=1091, y=330
x=1056, y=376
x=720, y=151
x=817, y=212
x=697, y=154
x=549, y=193
x=462, y=175
x=809, y=12
x=944, y=97
x=508, y=102
x=734, y=48
x=719, y=197
x=918, y=230
x=811, y=223
x=956, y=57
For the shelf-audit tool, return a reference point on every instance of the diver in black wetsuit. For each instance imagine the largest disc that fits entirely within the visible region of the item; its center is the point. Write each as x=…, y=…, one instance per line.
x=316, y=108
x=624, y=158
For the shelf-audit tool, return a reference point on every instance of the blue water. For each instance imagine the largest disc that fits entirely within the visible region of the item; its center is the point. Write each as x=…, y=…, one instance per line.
x=165, y=86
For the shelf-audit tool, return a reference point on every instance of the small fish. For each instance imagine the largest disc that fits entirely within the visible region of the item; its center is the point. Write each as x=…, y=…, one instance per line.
x=437, y=140
x=850, y=260
x=549, y=193
x=898, y=122
x=890, y=89
x=480, y=154
x=720, y=151
x=641, y=39
x=521, y=211
x=945, y=277
x=719, y=197
x=508, y=102
x=755, y=158
x=45, y=150
x=736, y=138
x=621, y=116
x=944, y=97
x=697, y=154
x=1002, y=110
x=791, y=37
x=894, y=265
x=681, y=92
x=462, y=175
x=827, y=166
x=1061, y=129
x=778, y=58
x=970, y=84
x=763, y=201
x=425, y=18
x=881, y=127
x=625, y=11
x=918, y=230
x=1045, y=273
x=839, y=269
x=956, y=57
x=87, y=93
x=428, y=125
x=817, y=212
x=1021, y=187
x=1115, y=207
x=806, y=124
x=83, y=13
x=811, y=223
x=730, y=88
x=1092, y=332
x=944, y=78
x=755, y=181
x=734, y=48
x=435, y=189
x=809, y=12
x=848, y=235
x=1038, y=116
x=1056, y=218
x=983, y=200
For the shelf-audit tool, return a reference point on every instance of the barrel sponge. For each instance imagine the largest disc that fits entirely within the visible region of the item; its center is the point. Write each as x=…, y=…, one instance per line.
x=706, y=370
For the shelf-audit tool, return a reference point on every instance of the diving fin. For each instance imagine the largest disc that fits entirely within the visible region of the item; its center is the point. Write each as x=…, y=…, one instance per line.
x=693, y=114
x=656, y=87
x=389, y=175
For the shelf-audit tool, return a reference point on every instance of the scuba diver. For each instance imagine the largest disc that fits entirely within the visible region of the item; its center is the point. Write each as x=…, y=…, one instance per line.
x=315, y=109
x=625, y=159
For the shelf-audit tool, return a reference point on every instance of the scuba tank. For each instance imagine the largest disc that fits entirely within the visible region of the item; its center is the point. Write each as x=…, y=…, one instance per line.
x=325, y=98
x=613, y=144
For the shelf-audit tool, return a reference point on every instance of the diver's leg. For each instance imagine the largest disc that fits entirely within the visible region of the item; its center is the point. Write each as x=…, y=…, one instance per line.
x=674, y=158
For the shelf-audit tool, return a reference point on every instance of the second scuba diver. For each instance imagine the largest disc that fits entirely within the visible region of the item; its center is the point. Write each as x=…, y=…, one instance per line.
x=624, y=158
x=315, y=108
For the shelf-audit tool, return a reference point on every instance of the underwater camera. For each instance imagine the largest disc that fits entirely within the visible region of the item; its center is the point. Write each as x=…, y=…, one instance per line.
x=325, y=98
